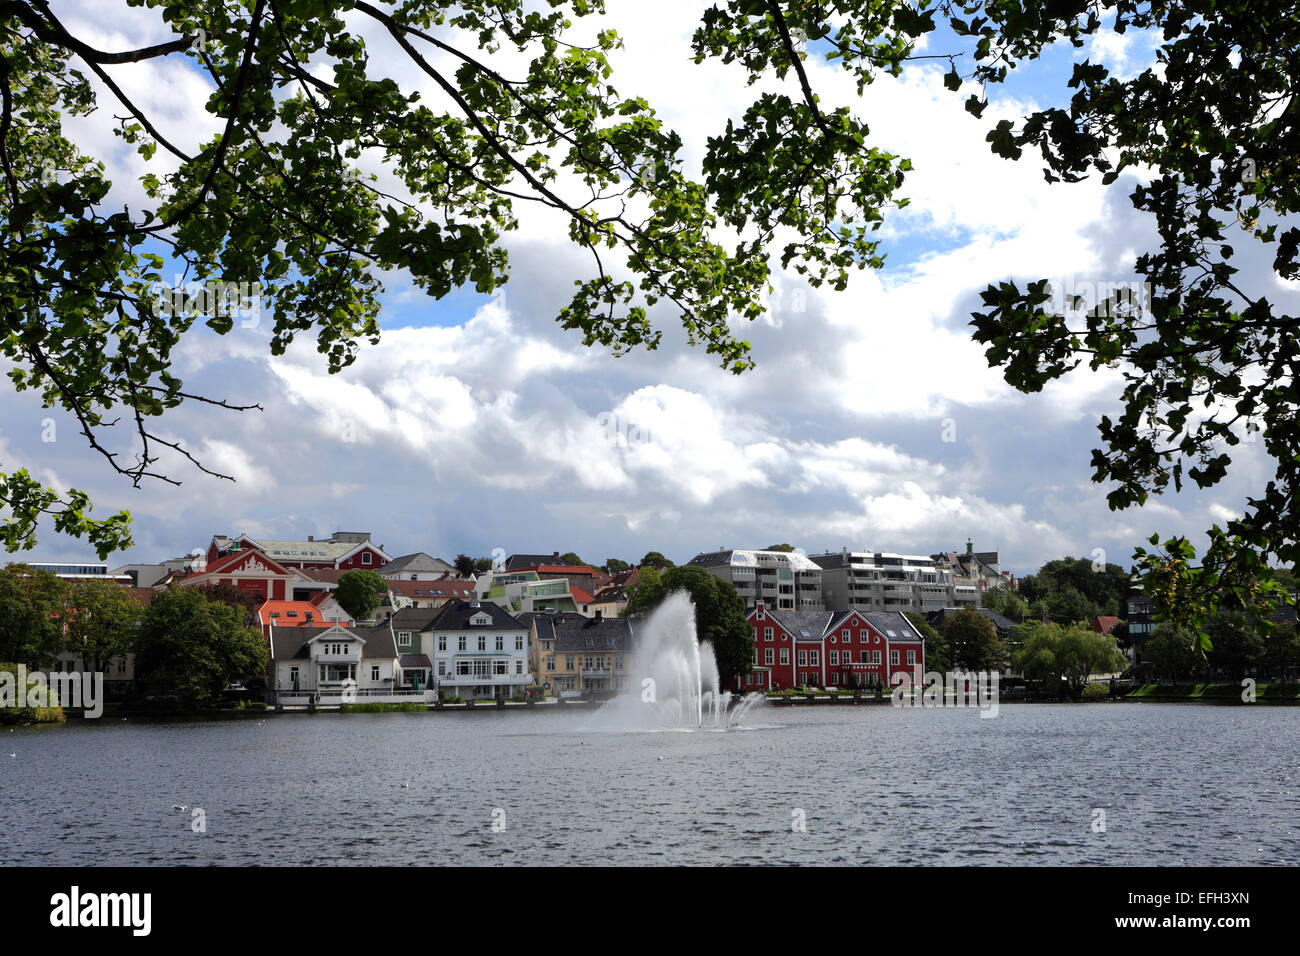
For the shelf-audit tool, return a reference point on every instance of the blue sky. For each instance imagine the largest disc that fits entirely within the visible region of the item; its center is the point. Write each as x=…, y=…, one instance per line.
x=478, y=423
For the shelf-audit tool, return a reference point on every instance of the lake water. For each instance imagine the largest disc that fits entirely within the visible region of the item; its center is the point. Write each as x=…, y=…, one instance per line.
x=1178, y=784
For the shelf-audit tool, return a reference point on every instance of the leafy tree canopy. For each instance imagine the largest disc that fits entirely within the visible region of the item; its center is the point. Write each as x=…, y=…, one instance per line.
x=191, y=648
x=359, y=592
x=653, y=559
x=273, y=201
x=31, y=613
x=972, y=642
x=102, y=620
x=1065, y=655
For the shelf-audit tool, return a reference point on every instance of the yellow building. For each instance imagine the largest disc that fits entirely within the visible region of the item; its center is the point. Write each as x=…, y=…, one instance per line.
x=578, y=656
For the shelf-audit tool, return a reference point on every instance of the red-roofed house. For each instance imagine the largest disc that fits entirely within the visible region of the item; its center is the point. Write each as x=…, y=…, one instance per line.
x=298, y=614
x=1104, y=625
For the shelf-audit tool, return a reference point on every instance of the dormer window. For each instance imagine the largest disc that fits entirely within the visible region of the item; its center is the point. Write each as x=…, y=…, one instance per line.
x=365, y=557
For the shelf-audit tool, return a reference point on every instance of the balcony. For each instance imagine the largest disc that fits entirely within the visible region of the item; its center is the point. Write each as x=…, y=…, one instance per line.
x=463, y=680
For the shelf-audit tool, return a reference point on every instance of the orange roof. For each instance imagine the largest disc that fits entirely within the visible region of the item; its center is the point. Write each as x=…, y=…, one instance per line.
x=1104, y=625
x=579, y=595
x=292, y=614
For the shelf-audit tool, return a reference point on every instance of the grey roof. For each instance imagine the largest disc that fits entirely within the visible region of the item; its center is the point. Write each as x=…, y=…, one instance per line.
x=291, y=642
x=804, y=625
x=414, y=618
x=455, y=615
x=415, y=660
x=415, y=562
x=574, y=633
x=516, y=561
x=893, y=624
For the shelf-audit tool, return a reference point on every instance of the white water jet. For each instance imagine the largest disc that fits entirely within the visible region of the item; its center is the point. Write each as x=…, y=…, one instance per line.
x=673, y=678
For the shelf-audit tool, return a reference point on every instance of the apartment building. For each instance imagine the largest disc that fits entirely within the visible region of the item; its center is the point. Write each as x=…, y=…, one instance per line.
x=887, y=581
x=784, y=580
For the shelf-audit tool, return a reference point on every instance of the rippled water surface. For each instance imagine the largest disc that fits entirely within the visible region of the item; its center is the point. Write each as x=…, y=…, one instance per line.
x=1195, y=784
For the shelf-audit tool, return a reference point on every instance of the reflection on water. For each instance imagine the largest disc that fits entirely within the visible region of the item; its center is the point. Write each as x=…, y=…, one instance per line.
x=1180, y=784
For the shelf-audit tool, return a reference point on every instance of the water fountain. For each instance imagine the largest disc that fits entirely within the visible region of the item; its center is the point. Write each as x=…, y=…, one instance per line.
x=674, y=683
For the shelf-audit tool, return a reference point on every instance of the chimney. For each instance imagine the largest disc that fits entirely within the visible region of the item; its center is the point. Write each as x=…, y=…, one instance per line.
x=311, y=537
x=970, y=548
x=555, y=554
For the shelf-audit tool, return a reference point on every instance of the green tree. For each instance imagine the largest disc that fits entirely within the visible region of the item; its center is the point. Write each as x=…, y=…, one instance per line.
x=32, y=607
x=1006, y=602
x=1281, y=652
x=1065, y=656
x=359, y=592
x=614, y=566
x=465, y=565
x=272, y=200
x=192, y=648
x=572, y=558
x=936, y=648
x=653, y=559
x=719, y=612
x=102, y=621
x=972, y=641
x=1237, y=645
x=780, y=547
x=248, y=602
x=1171, y=651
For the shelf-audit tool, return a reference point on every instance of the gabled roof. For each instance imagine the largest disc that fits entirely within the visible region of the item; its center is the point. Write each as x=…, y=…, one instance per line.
x=293, y=614
x=290, y=642
x=415, y=562
x=801, y=625
x=414, y=618
x=455, y=615
x=1105, y=623
x=574, y=633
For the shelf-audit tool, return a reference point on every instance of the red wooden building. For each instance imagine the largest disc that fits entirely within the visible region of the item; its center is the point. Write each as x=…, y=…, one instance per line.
x=832, y=649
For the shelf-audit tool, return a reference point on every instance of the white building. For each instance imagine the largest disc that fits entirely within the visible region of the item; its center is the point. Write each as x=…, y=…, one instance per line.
x=335, y=665
x=477, y=650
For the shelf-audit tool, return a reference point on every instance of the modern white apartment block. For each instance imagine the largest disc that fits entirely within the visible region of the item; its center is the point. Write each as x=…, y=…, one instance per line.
x=785, y=580
x=886, y=581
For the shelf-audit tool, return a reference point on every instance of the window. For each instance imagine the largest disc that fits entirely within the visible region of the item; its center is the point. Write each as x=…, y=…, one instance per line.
x=767, y=633
x=501, y=642
x=121, y=665
x=866, y=657
x=845, y=634
x=374, y=672
x=568, y=662
x=893, y=658
x=834, y=679
x=293, y=675
x=462, y=642
x=519, y=642
x=482, y=642
x=768, y=655
x=442, y=668
x=785, y=655
x=815, y=658
x=756, y=655
x=519, y=667
x=911, y=657
x=803, y=658
x=550, y=663
x=835, y=658
x=442, y=642
x=403, y=638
